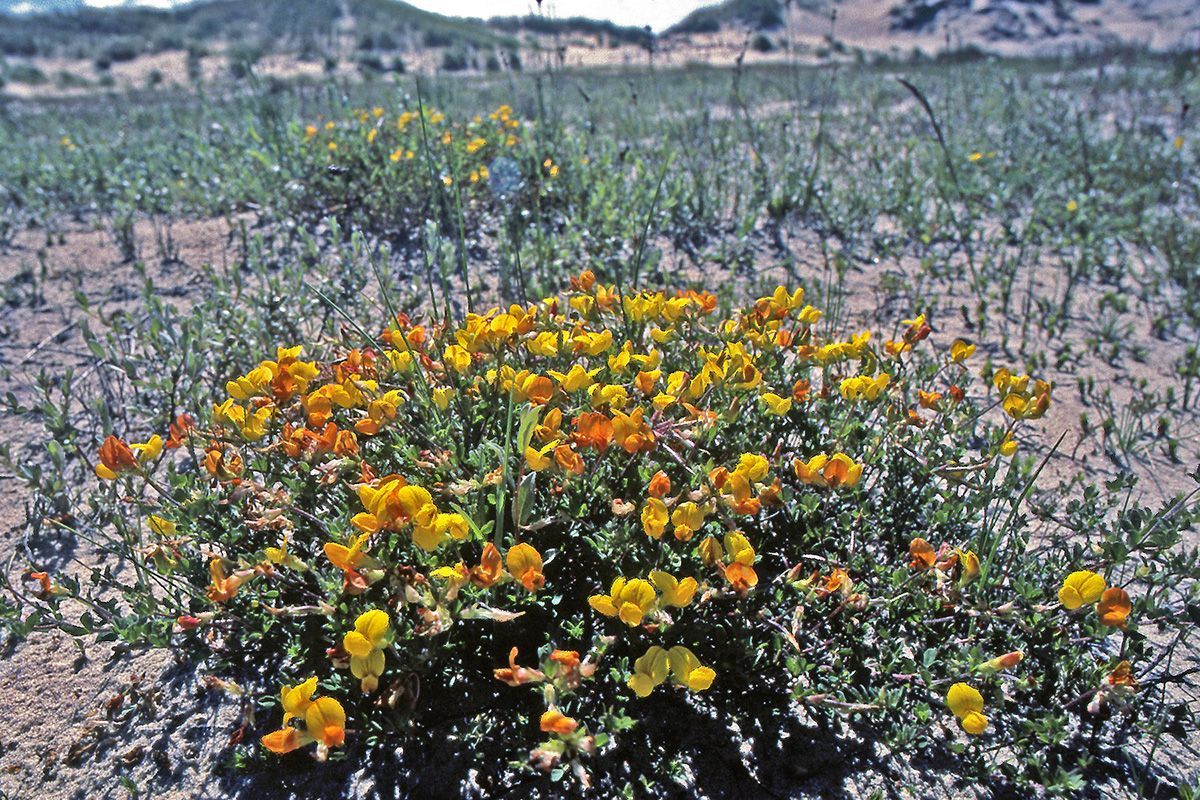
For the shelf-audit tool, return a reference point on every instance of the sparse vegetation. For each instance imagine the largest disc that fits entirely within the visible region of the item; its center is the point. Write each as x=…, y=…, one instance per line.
x=567, y=344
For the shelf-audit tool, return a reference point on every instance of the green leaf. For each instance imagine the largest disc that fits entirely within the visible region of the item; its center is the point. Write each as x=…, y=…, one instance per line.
x=525, y=432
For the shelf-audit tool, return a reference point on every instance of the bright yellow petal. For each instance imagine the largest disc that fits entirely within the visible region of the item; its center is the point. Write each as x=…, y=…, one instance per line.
x=654, y=663
x=964, y=699
x=631, y=614
x=974, y=723
x=642, y=684
x=603, y=604
x=357, y=645
x=373, y=625
x=700, y=679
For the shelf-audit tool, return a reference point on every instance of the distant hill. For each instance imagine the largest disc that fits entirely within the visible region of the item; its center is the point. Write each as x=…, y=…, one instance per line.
x=270, y=25
x=1005, y=27
x=611, y=33
x=756, y=14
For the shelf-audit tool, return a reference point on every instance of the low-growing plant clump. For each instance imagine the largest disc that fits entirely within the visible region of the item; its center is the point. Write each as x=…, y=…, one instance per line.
x=538, y=529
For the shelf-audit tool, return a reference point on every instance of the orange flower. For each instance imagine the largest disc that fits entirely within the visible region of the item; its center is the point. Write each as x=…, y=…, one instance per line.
x=631, y=432
x=593, y=430
x=525, y=564
x=569, y=659
x=115, y=457
x=568, y=460
x=224, y=588
x=514, y=675
x=801, y=391
x=222, y=463
x=488, y=571
x=739, y=495
x=553, y=721
x=179, y=429
x=286, y=740
x=741, y=577
x=838, y=581
x=352, y=558
x=1122, y=675
x=842, y=471
x=1114, y=607
x=921, y=553
x=660, y=485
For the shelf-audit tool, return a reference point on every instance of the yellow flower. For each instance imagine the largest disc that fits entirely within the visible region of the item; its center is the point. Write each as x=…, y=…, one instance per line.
x=442, y=397
x=365, y=645
x=674, y=592
x=1081, y=588
x=351, y=558
x=654, y=517
x=525, y=565
x=688, y=671
x=687, y=519
x=649, y=671
x=970, y=567
x=776, y=406
x=297, y=699
x=457, y=358
x=628, y=600
x=710, y=551
x=967, y=704
x=162, y=527
x=960, y=351
x=753, y=466
x=325, y=721
x=148, y=451
x=538, y=460
x=574, y=380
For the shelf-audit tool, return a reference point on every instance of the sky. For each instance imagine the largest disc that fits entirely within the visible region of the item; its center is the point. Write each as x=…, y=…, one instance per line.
x=658, y=14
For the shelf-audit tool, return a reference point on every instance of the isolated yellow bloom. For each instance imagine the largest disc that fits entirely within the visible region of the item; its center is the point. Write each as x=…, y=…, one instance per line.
x=967, y=704
x=960, y=351
x=1081, y=588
